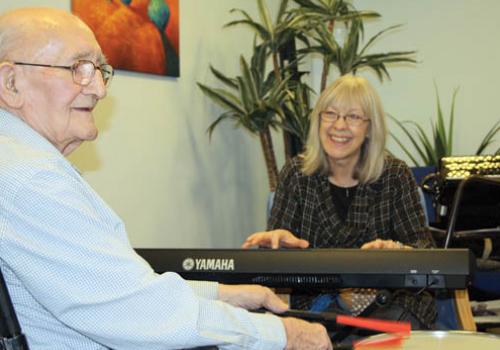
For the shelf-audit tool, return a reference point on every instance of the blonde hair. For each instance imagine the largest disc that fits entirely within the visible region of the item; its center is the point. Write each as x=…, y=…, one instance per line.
x=349, y=90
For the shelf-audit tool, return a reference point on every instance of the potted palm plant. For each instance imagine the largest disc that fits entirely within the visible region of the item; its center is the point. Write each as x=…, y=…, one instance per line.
x=252, y=100
x=427, y=149
x=259, y=100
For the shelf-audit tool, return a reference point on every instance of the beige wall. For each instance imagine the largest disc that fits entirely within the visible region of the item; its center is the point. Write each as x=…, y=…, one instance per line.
x=457, y=44
x=153, y=162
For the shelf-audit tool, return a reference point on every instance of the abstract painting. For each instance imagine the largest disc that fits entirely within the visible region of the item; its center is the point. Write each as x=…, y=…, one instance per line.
x=135, y=35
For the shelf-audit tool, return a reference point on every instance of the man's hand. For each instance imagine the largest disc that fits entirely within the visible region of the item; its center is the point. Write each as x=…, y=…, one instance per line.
x=302, y=335
x=251, y=297
x=385, y=244
x=274, y=239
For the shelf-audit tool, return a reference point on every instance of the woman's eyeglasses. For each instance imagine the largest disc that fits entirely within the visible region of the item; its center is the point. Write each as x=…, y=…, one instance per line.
x=350, y=119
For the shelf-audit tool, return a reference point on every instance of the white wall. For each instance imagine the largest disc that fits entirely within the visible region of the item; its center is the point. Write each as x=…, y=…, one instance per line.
x=457, y=44
x=153, y=162
x=156, y=166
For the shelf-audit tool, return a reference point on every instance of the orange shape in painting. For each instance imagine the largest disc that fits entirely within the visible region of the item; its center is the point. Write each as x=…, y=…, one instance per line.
x=127, y=37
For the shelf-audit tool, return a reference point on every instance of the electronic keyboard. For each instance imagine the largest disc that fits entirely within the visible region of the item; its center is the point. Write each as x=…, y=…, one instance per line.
x=320, y=268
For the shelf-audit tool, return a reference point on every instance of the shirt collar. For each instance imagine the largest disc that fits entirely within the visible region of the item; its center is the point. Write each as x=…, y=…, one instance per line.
x=15, y=127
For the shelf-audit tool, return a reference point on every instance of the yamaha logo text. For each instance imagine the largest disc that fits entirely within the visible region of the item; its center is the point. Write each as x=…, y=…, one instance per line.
x=208, y=264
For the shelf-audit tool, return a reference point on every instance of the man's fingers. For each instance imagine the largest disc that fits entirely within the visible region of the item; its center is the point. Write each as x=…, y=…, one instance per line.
x=302, y=335
x=274, y=303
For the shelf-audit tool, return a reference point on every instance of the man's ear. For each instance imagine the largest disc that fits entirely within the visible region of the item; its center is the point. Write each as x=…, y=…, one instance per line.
x=9, y=94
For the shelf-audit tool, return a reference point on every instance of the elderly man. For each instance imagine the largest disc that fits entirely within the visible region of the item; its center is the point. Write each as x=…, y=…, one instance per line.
x=75, y=281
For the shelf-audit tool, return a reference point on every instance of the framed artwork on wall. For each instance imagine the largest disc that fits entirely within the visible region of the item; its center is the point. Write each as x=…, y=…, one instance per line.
x=135, y=35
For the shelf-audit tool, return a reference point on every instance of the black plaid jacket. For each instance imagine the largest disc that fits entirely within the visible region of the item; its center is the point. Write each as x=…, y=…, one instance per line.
x=387, y=209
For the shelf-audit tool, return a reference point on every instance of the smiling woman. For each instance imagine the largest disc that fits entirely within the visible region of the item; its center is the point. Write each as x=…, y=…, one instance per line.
x=350, y=149
x=345, y=192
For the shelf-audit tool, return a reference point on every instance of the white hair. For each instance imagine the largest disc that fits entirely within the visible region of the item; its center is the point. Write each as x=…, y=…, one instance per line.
x=18, y=27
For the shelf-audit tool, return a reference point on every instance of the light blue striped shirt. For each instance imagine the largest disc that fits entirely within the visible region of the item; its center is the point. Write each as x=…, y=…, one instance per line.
x=75, y=281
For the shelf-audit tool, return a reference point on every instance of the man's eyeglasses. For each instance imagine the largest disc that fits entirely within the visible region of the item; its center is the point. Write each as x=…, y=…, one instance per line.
x=351, y=119
x=83, y=71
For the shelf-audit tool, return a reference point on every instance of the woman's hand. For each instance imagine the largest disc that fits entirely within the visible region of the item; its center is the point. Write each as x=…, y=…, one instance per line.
x=385, y=244
x=274, y=239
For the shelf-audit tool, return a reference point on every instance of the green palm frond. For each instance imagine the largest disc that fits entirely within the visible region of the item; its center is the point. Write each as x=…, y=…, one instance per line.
x=261, y=30
x=266, y=19
x=223, y=116
x=376, y=36
x=227, y=81
x=252, y=99
x=321, y=16
x=248, y=81
x=224, y=98
x=272, y=34
x=431, y=149
x=412, y=133
x=488, y=139
x=297, y=110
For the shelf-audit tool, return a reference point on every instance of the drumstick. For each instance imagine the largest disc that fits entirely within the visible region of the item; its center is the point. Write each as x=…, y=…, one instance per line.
x=385, y=326
x=397, y=327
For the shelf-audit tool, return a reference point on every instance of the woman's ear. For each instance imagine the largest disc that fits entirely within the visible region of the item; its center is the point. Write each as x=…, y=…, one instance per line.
x=9, y=95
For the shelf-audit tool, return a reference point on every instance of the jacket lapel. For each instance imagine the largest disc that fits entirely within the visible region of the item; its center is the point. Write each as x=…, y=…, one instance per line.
x=352, y=232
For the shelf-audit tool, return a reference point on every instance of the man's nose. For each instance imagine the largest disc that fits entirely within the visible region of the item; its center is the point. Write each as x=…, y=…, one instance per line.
x=97, y=86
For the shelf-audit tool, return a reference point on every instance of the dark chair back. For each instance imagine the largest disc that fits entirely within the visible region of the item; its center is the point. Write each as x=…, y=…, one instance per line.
x=486, y=217
x=11, y=335
x=490, y=192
